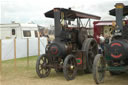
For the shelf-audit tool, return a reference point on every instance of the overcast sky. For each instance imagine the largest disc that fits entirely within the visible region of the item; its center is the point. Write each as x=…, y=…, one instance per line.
x=25, y=11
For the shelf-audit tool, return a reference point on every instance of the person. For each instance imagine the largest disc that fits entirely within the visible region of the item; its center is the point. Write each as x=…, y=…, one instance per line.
x=48, y=39
x=102, y=40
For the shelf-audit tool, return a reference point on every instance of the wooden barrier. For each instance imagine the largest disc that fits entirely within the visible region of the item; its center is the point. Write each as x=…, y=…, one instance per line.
x=27, y=51
x=0, y=55
x=38, y=46
x=14, y=53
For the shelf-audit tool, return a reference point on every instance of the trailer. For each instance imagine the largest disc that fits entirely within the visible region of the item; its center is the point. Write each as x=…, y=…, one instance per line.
x=18, y=30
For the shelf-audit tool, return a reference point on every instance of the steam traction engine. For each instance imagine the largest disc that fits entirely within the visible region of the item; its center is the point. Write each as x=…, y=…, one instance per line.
x=115, y=53
x=71, y=49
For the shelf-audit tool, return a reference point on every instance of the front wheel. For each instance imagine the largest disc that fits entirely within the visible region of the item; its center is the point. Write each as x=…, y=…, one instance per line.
x=70, y=67
x=42, y=69
x=99, y=66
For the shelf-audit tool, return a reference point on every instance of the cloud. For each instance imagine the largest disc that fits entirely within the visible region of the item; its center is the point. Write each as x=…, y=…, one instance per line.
x=33, y=10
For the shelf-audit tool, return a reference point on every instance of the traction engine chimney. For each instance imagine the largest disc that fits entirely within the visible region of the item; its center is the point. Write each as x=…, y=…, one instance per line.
x=57, y=24
x=119, y=16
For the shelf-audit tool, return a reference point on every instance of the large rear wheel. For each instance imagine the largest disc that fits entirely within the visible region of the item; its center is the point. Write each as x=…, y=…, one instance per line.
x=99, y=68
x=70, y=67
x=42, y=69
x=91, y=49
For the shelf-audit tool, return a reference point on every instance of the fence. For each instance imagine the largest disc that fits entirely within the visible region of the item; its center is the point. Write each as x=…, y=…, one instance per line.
x=17, y=48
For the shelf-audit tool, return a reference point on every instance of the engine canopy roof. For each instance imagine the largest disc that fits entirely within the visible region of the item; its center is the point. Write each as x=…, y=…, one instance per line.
x=125, y=11
x=71, y=14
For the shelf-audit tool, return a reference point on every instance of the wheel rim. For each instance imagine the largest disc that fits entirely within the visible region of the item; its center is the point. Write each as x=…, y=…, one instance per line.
x=42, y=69
x=100, y=69
x=92, y=51
x=71, y=67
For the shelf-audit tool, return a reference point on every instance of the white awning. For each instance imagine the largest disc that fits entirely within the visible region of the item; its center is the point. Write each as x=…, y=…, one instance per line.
x=104, y=23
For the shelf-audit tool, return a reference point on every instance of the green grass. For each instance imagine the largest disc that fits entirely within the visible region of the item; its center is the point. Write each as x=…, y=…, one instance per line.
x=26, y=75
x=10, y=72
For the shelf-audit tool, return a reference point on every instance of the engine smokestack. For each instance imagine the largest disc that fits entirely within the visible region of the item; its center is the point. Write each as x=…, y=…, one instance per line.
x=119, y=15
x=57, y=22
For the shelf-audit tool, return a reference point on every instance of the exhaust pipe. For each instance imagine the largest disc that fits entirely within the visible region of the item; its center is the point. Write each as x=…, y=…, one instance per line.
x=119, y=16
x=57, y=23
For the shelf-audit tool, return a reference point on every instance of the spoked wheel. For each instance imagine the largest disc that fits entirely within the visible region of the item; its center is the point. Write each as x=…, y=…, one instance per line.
x=41, y=66
x=91, y=52
x=99, y=68
x=70, y=67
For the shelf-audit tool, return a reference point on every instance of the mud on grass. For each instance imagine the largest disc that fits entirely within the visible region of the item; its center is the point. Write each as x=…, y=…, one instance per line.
x=26, y=75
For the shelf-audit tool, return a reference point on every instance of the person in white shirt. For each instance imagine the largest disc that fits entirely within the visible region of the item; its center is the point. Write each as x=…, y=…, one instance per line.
x=102, y=40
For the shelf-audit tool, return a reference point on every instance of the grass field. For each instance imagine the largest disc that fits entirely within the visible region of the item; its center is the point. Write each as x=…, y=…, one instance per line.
x=26, y=75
